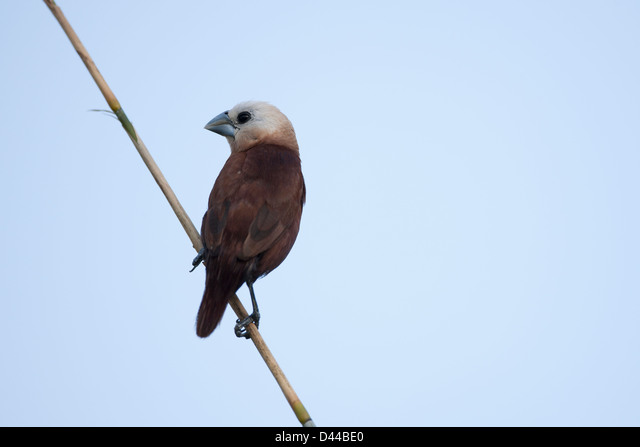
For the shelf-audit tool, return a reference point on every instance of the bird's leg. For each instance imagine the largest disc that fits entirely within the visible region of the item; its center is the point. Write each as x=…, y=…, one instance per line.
x=241, y=326
x=198, y=259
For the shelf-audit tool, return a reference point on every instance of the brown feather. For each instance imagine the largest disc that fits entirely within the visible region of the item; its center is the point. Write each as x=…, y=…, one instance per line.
x=251, y=223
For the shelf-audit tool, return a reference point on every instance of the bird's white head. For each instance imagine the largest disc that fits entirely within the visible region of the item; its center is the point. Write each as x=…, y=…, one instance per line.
x=254, y=122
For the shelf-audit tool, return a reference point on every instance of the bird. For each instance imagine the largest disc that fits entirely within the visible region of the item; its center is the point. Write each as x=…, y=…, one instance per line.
x=254, y=209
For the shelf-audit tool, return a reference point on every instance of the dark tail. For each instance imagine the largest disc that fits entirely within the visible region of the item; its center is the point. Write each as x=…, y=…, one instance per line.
x=214, y=303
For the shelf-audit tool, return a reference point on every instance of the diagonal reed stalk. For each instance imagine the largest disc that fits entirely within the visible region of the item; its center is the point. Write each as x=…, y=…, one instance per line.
x=288, y=391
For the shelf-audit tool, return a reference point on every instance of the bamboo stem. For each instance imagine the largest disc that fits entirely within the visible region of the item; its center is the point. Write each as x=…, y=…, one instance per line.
x=288, y=391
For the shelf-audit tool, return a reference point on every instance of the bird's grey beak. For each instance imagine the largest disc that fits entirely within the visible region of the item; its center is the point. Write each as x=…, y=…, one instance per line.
x=222, y=125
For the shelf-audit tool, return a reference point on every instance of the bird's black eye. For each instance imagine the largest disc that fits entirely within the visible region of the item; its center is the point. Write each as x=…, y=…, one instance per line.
x=243, y=117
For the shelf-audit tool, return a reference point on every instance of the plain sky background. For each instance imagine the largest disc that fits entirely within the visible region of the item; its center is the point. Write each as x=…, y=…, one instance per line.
x=469, y=253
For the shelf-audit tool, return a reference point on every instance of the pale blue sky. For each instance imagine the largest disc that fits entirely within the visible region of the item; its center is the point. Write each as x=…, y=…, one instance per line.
x=469, y=253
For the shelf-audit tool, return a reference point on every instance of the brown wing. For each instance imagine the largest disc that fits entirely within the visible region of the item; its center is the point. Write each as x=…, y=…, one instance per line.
x=264, y=230
x=213, y=224
x=223, y=203
x=257, y=197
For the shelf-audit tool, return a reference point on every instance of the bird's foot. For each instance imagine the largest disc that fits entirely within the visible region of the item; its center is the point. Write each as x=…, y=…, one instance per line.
x=241, y=326
x=197, y=260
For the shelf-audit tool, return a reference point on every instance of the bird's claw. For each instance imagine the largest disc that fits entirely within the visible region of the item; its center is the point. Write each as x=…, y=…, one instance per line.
x=197, y=260
x=241, y=325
